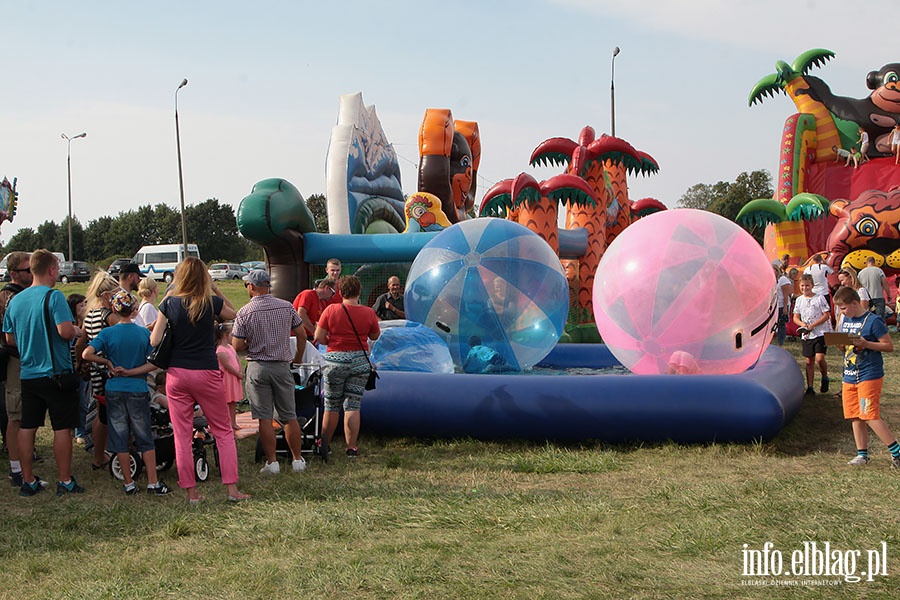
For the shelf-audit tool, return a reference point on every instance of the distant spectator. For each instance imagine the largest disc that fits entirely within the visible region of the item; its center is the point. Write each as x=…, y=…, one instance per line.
x=333, y=271
x=389, y=305
x=148, y=292
x=78, y=306
x=875, y=282
x=230, y=365
x=99, y=315
x=310, y=303
x=783, y=289
x=20, y=278
x=820, y=272
x=130, y=277
x=848, y=278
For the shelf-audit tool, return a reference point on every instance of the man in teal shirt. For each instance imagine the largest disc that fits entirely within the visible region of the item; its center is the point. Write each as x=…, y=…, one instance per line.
x=25, y=326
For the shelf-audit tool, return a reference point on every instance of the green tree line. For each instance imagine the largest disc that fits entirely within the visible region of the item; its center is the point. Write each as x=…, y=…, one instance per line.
x=727, y=199
x=210, y=225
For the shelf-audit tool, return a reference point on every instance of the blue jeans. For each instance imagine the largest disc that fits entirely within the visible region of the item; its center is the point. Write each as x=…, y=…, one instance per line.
x=128, y=413
x=782, y=326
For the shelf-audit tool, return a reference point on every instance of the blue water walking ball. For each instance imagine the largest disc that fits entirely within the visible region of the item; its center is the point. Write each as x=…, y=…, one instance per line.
x=490, y=282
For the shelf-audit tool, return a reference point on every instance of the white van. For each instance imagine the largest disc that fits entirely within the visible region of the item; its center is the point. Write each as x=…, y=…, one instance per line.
x=159, y=262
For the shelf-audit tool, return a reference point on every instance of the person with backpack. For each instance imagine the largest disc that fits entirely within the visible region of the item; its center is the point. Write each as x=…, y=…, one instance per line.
x=20, y=278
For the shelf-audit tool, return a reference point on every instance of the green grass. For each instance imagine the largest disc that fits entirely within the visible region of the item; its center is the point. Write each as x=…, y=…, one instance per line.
x=234, y=290
x=469, y=519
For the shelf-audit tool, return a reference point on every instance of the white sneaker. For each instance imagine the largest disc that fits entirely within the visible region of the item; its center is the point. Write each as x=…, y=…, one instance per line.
x=272, y=468
x=859, y=461
x=299, y=465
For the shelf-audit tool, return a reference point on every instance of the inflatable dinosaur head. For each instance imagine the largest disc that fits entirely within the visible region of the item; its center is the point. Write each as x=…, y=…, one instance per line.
x=867, y=227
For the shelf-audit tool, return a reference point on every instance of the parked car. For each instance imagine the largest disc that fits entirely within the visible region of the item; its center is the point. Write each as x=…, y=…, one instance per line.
x=254, y=264
x=116, y=266
x=74, y=270
x=225, y=271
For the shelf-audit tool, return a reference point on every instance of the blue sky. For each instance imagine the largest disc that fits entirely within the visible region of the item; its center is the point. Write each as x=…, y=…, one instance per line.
x=265, y=79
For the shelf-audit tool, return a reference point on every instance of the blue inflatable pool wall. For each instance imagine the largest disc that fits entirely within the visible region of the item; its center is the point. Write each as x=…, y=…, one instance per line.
x=754, y=405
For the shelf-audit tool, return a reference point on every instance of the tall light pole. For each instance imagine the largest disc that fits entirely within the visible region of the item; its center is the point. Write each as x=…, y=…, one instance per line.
x=69, y=169
x=612, y=93
x=184, y=248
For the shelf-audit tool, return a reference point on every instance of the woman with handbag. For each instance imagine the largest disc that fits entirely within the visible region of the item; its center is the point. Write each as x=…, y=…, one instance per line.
x=188, y=316
x=344, y=328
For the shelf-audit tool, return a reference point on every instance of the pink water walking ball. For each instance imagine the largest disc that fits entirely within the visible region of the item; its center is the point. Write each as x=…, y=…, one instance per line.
x=685, y=281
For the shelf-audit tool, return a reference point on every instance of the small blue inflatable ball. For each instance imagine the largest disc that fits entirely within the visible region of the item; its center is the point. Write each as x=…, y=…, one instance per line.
x=490, y=283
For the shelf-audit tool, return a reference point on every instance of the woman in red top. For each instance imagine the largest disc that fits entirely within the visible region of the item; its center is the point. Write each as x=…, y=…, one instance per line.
x=346, y=365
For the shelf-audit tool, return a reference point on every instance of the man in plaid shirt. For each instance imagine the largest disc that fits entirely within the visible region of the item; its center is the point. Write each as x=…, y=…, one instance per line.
x=263, y=329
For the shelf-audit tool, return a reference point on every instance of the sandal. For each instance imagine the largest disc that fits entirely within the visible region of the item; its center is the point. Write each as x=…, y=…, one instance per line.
x=239, y=497
x=196, y=501
x=100, y=467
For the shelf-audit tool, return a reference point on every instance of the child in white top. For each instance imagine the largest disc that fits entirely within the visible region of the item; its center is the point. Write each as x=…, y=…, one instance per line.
x=812, y=314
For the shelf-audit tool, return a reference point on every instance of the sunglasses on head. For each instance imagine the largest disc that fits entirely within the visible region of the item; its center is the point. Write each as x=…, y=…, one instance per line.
x=25, y=270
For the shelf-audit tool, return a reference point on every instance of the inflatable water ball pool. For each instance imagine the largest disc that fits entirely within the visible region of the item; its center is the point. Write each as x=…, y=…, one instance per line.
x=490, y=282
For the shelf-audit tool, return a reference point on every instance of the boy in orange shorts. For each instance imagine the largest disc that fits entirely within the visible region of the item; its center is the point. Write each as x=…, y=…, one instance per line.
x=864, y=375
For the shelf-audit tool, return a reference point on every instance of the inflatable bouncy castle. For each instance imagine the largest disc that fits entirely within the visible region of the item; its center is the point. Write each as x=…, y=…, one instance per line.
x=838, y=174
x=9, y=199
x=595, y=192
x=496, y=293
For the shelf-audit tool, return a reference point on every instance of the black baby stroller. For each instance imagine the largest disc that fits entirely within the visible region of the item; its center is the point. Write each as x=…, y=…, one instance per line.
x=309, y=394
x=164, y=440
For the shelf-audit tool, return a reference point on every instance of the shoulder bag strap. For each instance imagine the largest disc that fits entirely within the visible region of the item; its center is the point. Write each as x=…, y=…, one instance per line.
x=49, y=323
x=358, y=339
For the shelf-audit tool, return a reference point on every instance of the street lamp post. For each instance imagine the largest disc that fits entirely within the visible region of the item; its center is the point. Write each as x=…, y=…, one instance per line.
x=184, y=248
x=69, y=169
x=612, y=92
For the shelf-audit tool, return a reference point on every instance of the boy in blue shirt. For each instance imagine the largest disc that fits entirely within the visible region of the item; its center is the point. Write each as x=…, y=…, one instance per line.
x=123, y=348
x=864, y=375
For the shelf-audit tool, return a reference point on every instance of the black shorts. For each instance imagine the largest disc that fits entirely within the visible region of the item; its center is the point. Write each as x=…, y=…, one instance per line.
x=41, y=396
x=814, y=346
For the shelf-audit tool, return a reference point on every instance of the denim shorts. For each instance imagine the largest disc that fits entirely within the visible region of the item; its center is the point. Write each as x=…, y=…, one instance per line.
x=128, y=413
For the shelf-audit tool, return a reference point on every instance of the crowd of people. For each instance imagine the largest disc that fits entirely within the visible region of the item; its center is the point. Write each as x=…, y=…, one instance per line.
x=856, y=308
x=83, y=361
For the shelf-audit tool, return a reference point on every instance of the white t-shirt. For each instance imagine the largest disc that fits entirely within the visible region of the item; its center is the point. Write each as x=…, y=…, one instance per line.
x=783, y=280
x=146, y=314
x=820, y=273
x=811, y=308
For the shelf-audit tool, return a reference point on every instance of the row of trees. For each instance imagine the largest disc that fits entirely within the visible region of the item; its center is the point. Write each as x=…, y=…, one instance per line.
x=210, y=225
x=727, y=199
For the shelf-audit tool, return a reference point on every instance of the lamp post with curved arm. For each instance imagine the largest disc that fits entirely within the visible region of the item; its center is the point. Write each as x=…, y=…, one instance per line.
x=612, y=92
x=180, y=175
x=69, y=170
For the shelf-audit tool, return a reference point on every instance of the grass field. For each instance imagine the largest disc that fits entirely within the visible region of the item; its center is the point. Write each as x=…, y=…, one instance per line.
x=467, y=519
